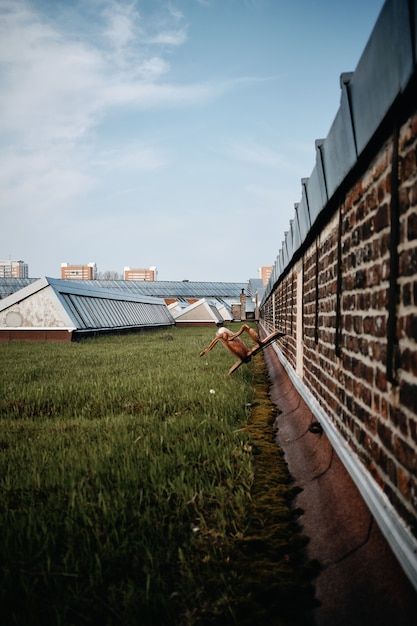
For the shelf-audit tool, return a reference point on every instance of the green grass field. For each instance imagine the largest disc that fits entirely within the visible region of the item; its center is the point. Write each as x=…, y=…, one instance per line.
x=129, y=491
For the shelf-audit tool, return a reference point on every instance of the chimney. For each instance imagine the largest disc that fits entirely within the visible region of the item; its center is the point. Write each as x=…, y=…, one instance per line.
x=242, y=306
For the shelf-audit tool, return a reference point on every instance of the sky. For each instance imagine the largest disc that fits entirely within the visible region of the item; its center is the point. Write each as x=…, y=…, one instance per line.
x=167, y=133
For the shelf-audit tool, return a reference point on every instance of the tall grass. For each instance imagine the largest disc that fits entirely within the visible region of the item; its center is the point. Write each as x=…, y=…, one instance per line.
x=125, y=481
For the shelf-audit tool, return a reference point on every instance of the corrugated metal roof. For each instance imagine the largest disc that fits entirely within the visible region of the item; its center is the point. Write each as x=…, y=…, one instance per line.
x=255, y=284
x=93, y=307
x=159, y=289
x=175, y=289
x=88, y=307
x=11, y=285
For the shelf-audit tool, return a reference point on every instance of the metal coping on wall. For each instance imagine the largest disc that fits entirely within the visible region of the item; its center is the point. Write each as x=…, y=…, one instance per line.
x=369, y=96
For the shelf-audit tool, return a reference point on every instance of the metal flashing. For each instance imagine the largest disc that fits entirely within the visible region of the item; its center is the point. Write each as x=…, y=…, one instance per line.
x=383, y=71
x=320, y=169
x=304, y=200
x=296, y=234
x=382, y=74
x=413, y=6
x=289, y=243
x=285, y=257
x=303, y=216
x=315, y=194
x=339, y=148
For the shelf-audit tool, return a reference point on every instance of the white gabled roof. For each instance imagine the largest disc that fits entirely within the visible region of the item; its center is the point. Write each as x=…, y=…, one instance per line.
x=200, y=311
x=55, y=303
x=224, y=312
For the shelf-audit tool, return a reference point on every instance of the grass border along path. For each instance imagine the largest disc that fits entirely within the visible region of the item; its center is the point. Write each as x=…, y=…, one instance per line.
x=277, y=587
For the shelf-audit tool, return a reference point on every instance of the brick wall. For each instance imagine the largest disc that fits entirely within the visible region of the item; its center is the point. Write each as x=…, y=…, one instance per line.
x=285, y=304
x=357, y=315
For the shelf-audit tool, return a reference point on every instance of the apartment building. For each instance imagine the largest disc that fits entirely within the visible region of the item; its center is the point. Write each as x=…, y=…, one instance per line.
x=264, y=273
x=78, y=272
x=140, y=274
x=14, y=269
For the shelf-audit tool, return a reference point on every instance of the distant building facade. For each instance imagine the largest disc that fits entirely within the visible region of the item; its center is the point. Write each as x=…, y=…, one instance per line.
x=140, y=274
x=78, y=272
x=14, y=269
x=264, y=273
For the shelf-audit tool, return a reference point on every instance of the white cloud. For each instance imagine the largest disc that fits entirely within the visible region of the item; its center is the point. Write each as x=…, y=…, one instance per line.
x=48, y=84
x=175, y=12
x=56, y=89
x=170, y=38
x=153, y=68
x=140, y=159
x=66, y=93
x=259, y=155
x=42, y=181
x=122, y=19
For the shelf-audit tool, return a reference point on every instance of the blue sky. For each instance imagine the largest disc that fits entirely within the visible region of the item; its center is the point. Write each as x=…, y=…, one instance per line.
x=167, y=133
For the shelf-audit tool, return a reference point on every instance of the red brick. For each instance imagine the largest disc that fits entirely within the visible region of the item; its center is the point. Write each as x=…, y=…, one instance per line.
x=408, y=165
x=405, y=454
x=379, y=420
x=403, y=482
x=408, y=263
x=399, y=419
x=412, y=227
x=413, y=195
x=385, y=434
x=381, y=380
x=408, y=395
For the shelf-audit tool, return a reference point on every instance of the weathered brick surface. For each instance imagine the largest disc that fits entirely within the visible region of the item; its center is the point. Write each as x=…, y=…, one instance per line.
x=285, y=303
x=347, y=274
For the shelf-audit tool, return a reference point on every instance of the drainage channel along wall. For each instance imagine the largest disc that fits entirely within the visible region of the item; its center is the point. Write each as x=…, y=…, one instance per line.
x=344, y=285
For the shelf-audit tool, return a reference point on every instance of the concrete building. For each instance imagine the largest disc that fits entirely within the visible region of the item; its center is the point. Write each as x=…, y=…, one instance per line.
x=14, y=269
x=78, y=272
x=140, y=274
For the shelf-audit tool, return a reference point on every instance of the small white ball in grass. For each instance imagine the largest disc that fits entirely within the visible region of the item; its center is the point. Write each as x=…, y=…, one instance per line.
x=212, y=391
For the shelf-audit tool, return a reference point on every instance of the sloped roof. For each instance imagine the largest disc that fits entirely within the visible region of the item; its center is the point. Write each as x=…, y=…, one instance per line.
x=176, y=289
x=257, y=288
x=255, y=284
x=78, y=306
x=180, y=290
x=224, y=311
x=200, y=312
x=11, y=285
